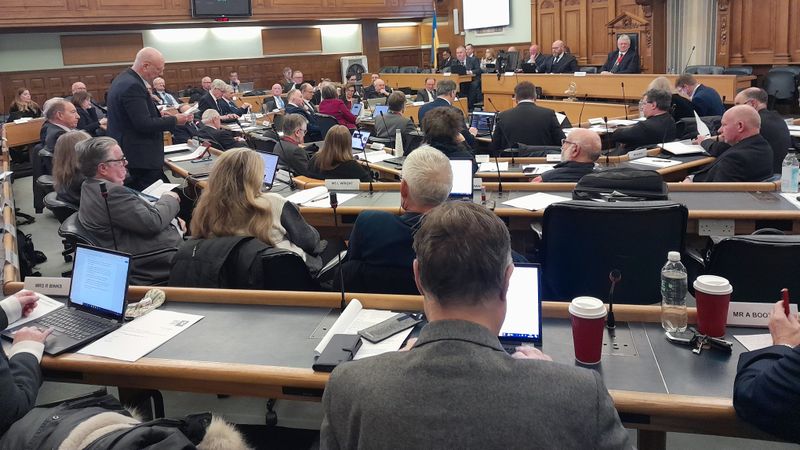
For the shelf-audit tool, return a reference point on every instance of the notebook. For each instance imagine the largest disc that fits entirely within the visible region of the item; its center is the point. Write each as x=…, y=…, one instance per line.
x=523, y=324
x=462, y=179
x=96, y=303
x=270, y=167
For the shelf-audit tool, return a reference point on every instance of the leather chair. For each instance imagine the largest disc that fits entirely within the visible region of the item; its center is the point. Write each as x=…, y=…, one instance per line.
x=42, y=186
x=780, y=86
x=389, y=69
x=409, y=69
x=588, y=69
x=62, y=210
x=325, y=122
x=738, y=70
x=361, y=277
x=582, y=241
x=704, y=70
x=793, y=69
x=758, y=266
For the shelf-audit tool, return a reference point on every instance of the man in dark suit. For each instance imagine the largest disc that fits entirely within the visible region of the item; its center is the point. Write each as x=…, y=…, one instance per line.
x=773, y=128
x=749, y=158
x=274, y=101
x=446, y=95
x=706, y=100
x=135, y=123
x=561, y=61
x=378, y=89
x=535, y=57
x=227, y=105
x=428, y=93
x=658, y=126
x=296, y=82
x=295, y=105
x=62, y=116
x=526, y=123
x=212, y=130
x=470, y=89
x=445, y=60
x=623, y=59
x=412, y=396
x=288, y=149
x=767, y=387
x=212, y=100
x=579, y=153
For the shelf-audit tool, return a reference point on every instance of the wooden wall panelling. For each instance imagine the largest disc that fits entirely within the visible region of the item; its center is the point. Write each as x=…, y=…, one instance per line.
x=573, y=29
x=403, y=58
x=599, y=14
x=399, y=37
x=758, y=32
x=548, y=21
x=279, y=41
x=794, y=31
x=82, y=49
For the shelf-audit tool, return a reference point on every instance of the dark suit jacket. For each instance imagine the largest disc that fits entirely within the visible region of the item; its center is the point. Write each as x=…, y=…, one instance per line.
x=567, y=64
x=134, y=121
x=707, y=101
x=370, y=92
x=346, y=170
x=20, y=378
x=540, y=61
x=654, y=130
x=681, y=107
x=51, y=134
x=293, y=156
x=528, y=124
x=229, y=107
x=219, y=138
x=425, y=96
x=748, y=160
x=88, y=121
x=444, y=63
x=767, y=390
x=629, y=63
x=313, y=127
x=207, y=101
x=473, y=64
x=567, y=172
x=773, y=129
x=270, y=103
x=439, y=102
x=425, y=392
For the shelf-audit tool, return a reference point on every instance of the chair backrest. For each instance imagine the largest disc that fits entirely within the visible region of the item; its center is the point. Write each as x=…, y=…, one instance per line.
x=537, y=151
x=588, y=69
x=738, y=70
x=61, y=209
x=782, y=85
x=325, y=122
x=705, y=70
x=582, y=241
x=72, y=230
x=758, y=267
x=277, y=121
x=389, y=69
x=409, y=69
x=362, y=277
x=793, y=69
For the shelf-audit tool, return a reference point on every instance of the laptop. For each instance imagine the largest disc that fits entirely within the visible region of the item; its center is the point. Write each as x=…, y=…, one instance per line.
x=270, y=167
x=376, y=113
x=96, y=304
x=523, y=324
x=245, y=87
x=462, y=179
x=360, y=139
x=356, y=109
x=458, y=69
x=483, y=121
x=528, y=67
x=373, y=102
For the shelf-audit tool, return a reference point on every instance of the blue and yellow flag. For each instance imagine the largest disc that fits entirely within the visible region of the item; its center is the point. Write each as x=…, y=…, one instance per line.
x=434, y=40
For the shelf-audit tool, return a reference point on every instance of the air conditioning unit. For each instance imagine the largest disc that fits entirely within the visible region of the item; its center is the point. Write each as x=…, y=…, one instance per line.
x=353, y=65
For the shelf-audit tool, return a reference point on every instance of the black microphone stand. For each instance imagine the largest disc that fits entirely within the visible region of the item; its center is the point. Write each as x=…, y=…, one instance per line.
x=334, y=204
x=104, y=193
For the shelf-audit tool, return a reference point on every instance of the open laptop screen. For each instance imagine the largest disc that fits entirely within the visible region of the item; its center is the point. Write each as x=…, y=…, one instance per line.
x=99, y=281
x=483, y=121
x=360, y=139
x=523, y=305
x=462, y=178
x=376, y=113
x=356, y=109
x=270, y=167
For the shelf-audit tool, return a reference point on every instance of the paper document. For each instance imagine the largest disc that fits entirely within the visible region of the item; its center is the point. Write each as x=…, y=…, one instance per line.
x=491, y=166
x=374, y=157
x=43, y=306
x=560, y=117
x=192, y=109
x=795, y=133
x=791, y=198
x=355, y=318
x=317, y=197
x=140, y=337
x=621, y=122
x=23, y=120
x=176, y=148
x=536, y=201
x=538, y=169
x=596, y=121
x=158, y=188
x=194, y=155
x=754, y=341
x=658, y=163
x=702, y=128
x=683, y=148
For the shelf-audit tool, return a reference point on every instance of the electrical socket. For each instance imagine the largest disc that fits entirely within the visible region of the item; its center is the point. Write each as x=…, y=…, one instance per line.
x=709, y=227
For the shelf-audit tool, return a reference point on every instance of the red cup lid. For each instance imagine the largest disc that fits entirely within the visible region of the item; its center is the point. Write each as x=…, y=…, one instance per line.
x=712, y=284
x=587, y=308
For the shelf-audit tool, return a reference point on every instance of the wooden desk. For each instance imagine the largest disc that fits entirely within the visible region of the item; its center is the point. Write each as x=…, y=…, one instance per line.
x=575, y=111
x=643, y=404
x=18, y=134
x=412, y=111
x=415, y=81
x=608, y=86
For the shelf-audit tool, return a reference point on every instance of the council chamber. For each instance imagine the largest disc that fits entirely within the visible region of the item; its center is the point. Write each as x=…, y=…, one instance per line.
x=251, y=224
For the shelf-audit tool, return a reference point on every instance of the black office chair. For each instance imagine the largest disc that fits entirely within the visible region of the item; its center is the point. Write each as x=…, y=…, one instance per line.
x=781, y=86
x=411, y=141
x=359, y=276
x=705, y=70
x=409, y=69
x=539, y=151
x=793, y=69
x=738, y=70
x=758, y=266
x=277, y=121
x=42, y=186
x=389, y=69
x=325, y=122
x=62, y=210
x=588, y=69
x=582, y=241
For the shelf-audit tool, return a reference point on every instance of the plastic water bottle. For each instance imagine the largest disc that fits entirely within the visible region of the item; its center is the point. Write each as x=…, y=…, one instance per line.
x=790, y=169
x=673, y=294
x=641, y=109
x=398, y=143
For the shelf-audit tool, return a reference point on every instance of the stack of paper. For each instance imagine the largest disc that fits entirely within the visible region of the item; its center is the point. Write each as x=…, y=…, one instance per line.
x=683, y=148
x=158, y=188
x=176, y=148
x=374, y=157
x=535, y=201
x=194, y=155
x=317, y=197
x=658, y=163
x=492, y=166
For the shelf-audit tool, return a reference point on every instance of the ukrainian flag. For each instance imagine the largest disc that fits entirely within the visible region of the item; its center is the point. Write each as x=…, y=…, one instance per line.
x=434, y=40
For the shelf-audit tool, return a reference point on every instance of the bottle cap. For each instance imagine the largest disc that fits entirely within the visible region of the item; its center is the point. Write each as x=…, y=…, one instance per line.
x=674, y=256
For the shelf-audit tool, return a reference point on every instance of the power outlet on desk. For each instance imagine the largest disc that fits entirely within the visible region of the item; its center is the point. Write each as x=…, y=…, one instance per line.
x=709, y=227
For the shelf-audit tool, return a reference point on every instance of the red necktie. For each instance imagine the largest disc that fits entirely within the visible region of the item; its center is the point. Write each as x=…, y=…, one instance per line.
x=619, y=58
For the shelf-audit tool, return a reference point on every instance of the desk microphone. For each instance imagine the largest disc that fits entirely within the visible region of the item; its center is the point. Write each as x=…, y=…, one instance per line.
x=335, y=204
x=245, y=135
x=688, y=59
x=104, y=193
x=366, y=161
x=383, y=119
x=614, y=276
x=499, y=179
x=608, y=137
x=580, y=115
x=492, y=103
x=624, y=103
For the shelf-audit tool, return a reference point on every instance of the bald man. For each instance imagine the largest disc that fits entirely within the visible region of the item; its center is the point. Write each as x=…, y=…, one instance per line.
x=579, y=152
x=536, y=58
x=773, y=128
x=274, y=101
x=377, y=90
x=749, y=158
x=134, y=120
x=561, y=61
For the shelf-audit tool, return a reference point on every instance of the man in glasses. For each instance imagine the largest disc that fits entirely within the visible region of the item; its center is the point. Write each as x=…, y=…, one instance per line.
x=579, y=151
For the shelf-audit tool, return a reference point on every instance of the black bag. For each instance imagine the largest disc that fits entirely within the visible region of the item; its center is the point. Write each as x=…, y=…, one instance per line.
x=28, y=256
x=621, y=185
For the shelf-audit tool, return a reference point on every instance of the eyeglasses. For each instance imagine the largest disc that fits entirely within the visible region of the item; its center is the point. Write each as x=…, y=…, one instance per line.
x=122, y=160
x=305, y=131
x=564, y=141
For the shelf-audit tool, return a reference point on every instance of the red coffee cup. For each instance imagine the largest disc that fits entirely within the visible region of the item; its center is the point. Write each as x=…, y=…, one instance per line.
x=713, y=296
x=588, y=316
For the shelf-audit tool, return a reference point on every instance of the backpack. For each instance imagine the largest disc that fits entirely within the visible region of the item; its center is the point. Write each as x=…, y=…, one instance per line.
x=28, y=256
x=621, y=185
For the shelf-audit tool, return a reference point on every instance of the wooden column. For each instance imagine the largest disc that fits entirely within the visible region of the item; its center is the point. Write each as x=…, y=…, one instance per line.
x=782, y=33
x=656, y=12
x=370, y=44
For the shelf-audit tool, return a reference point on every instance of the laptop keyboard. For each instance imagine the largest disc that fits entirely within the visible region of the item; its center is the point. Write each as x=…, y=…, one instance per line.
x=398, y=161
x=72, y=324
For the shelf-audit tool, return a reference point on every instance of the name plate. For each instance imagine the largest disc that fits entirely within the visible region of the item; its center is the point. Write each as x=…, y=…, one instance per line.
x=509, y=74
x=745, y=314
x=49, y=286
x=481, y=158
x=342, y=184
x=636, y=154
x=579, y=74
x=554, y=157
x=597, y=121
x=477, y=183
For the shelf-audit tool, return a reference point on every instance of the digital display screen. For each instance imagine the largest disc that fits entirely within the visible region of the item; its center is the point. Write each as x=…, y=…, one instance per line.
x=462, y=178
x=523, y=305
x=270, y=167
x=220, y=8
x=99, y=281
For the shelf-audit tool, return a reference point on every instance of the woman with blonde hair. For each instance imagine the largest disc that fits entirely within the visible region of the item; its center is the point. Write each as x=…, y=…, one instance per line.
x=233, y=205
x=67, y=177
x=681, y=106
x=488, y=58
x=23, y=106
x=335, y=159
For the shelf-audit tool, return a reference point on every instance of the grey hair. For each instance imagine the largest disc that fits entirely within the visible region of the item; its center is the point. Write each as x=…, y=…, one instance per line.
x=218, y=84
x=624, y=38
x=445, y=87
x=428, y=175
x=93, y=152
x=660, y=83
x=292, y=123
x=53, y=106
x=209, y=114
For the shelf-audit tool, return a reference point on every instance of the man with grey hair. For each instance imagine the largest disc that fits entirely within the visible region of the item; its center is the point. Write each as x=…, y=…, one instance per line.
x=658, y=127
x=227, y=104
x=379, y=257
x=61, y=117
x=377, y=89
x=134, y=120
x=295, y=127
x=456, y=386
x=623, y=59
x=131, y=224
x=296, y=105
x=445, y=96
x=579, y=152
x=213, y=98
x=212, y=130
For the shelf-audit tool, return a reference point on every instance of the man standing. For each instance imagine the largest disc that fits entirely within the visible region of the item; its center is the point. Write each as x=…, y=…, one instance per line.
x=457, y=387
x=470, y=89
x=561, y=61
x=706, y=100
x=527, y=123
x=623, y=59
x=657, y=128
x=134, y=121
x=579, y=152
x=749, y=158
x=427, y=94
